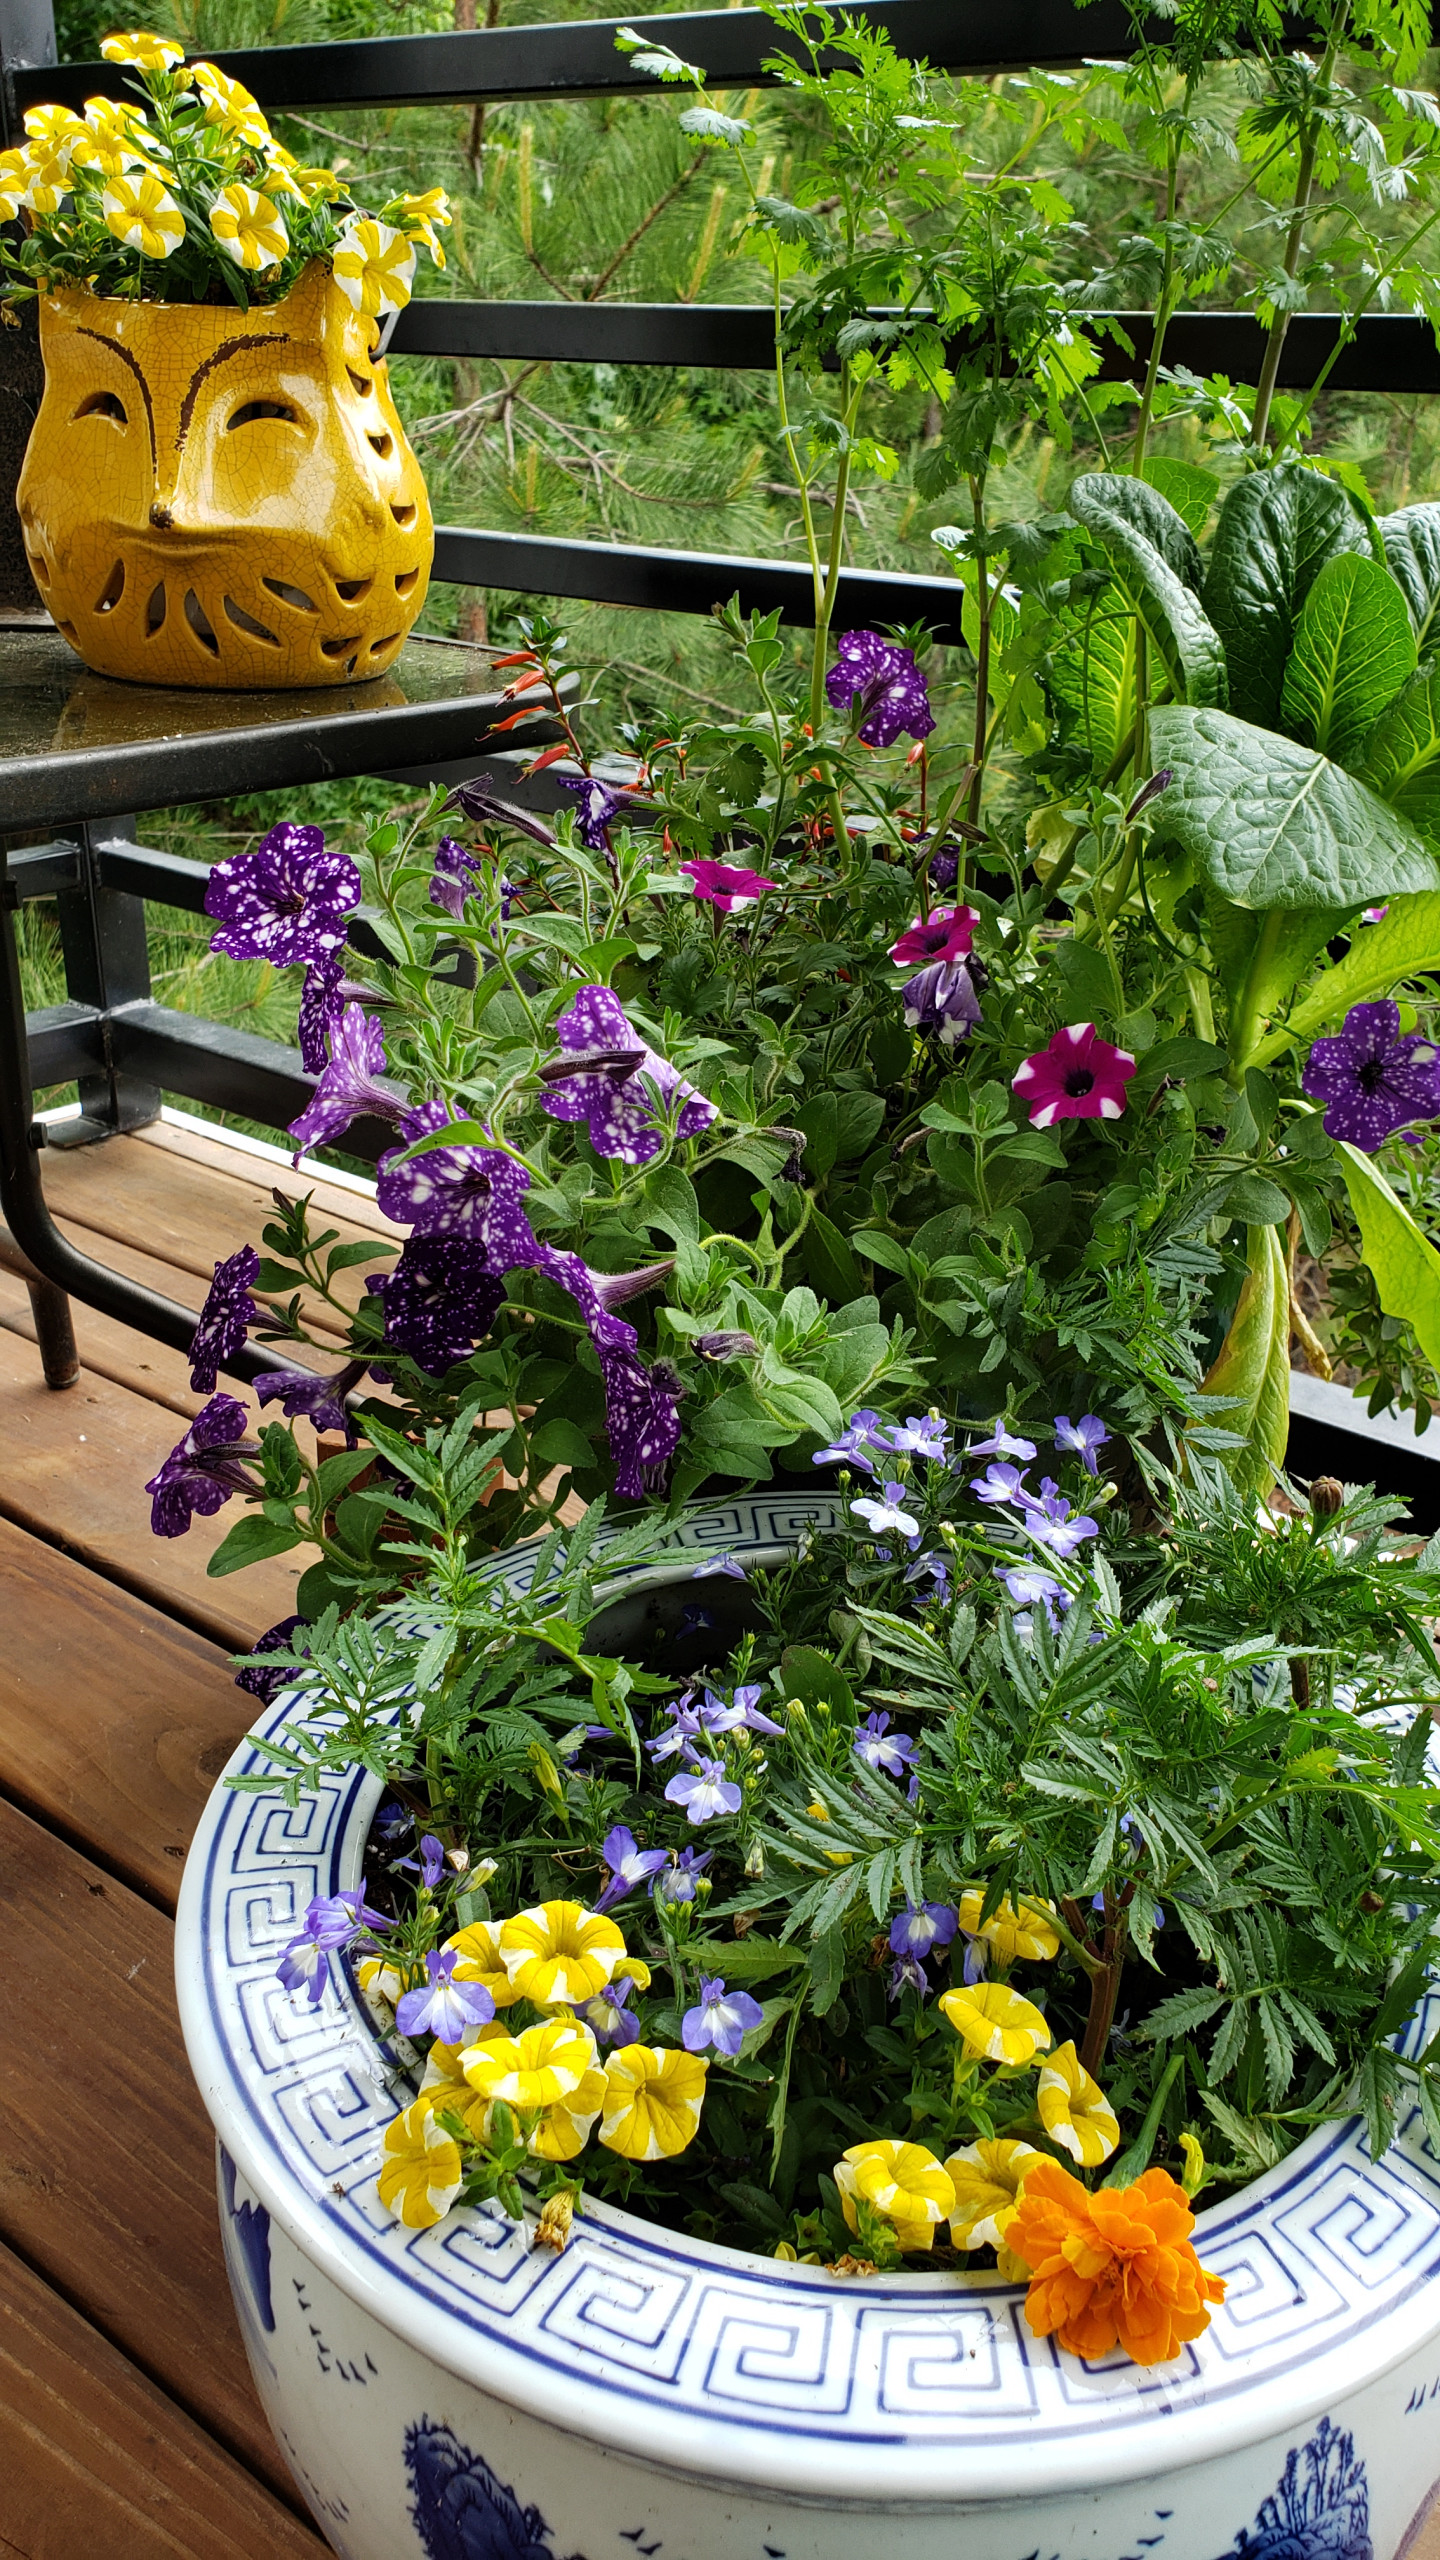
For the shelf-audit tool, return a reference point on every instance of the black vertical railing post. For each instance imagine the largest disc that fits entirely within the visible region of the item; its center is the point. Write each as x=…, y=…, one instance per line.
x=107, y=965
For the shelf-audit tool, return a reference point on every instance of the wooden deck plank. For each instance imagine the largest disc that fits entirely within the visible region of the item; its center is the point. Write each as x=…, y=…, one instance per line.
x=106, y=2154
x=114, y=1721
x=94, y=2459
x=72, y=1470
x=217, y=1149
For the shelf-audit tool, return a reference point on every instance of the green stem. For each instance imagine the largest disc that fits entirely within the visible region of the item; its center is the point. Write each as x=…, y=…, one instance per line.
x=1164, y=310
x=1295, y=241
x=1250, y=1007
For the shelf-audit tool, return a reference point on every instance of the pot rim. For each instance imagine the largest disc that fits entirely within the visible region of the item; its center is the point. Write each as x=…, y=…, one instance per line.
x=719, y=2363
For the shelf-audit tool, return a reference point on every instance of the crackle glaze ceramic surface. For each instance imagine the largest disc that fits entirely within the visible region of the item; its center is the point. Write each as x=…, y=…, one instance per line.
x=216, y=497
x=454, y=2395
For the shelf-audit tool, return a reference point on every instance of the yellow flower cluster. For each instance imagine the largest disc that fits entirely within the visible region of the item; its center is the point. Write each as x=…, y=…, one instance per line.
x=646, y=2099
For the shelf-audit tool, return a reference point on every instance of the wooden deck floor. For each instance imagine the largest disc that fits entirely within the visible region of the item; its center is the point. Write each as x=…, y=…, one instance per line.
x=128, y=2425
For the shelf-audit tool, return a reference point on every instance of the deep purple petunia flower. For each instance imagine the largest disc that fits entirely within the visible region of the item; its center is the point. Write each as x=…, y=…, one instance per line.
x=629, y=1865
x=704, y=1790
x=725, y=887
x=442, y=2007
x=597, y=1294
x=440, y=1299
x=600, y=806
x=1373, y=1077
x=317, y=1399
x=944, y=867
x=1087, y=1438
x=1078, y=1077
x=470, y=1192
x=454, y=879
x=642, y=1418
x=266, y=1683
x=225, y=1319
x=893, y=696
x=204, y=1469
x=944, y=935
x=349, y=1083
x=726, y=1346
x=921, y=1926
x=621, y=1115
x=286, y=901
x=942, y=999
x=879, y=1748
x=720, y=2018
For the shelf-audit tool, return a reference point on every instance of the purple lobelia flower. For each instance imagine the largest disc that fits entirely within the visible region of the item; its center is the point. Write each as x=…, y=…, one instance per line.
x=305, y=1966
x=1029, y=1584
x=606, y=2014
x=1373, y=1077
x=942, y=1000
x=921, y=1926
x=225, y=1319
x=642, y=1419
x=933, y=1568
x=921, y=1435
x=728, y=1565
x=440, y=1299
x=317, y=1399
x=287, y=901
x=1003, y=1483
x=907, y=1974
x=331, y=1922
x=887, y=1512
x=860, y=1435
x=600, y=806
x=470, y=1192
x=893, y=697
x=266, y=1680
x=1052, y=1524
x=454, y=879
x=1087, y=1438
x=720, y=2018
x=677, y=1882
x=879, y=1748
x=349, y=1083
x=704, y=1790
x=620, y=1110
x=204, y=1469
x=1001, y=1444
x=629, y=1865
x=442, y=2007
x=743, y=1709
x=430, y=1865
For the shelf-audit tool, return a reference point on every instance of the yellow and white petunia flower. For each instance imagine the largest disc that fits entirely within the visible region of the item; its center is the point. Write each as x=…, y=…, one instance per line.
x=545, y=2066
x=994, y=2024
x=421, y=2175
x=653, y=2099
x=53, y=132
x=559, y=1954
x=903, y=2181
x=374, y=267
x=144, y=50
x=249, y=227
x=143, y=213
x=1011, y=1932
x=1075, y=2110
x=987, y=2178
x=229, y=105
x=478, y=1949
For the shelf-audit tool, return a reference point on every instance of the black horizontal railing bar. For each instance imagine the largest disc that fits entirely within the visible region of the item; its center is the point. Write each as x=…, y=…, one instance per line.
x=578, y=57
x=41, y=871
x=1391, y=351
x=687, y=581
x=231, y=1070
x=64, y=1042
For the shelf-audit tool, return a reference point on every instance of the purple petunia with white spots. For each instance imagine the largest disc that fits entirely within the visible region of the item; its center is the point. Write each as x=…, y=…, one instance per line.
x=349, y=1083
x=225, y=1319
x=893, y=697
x=203, y=1469
x=287, y=901
x=440, y=1300
x=620, y=1113
x=317, y=1399
x=1373, y=1077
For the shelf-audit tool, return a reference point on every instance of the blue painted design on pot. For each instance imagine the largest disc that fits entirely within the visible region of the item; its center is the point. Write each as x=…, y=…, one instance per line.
x=250, y=2225
x=461, y=2511
x=1320, y=2509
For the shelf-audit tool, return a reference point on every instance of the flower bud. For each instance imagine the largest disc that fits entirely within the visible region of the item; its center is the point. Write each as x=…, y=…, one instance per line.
x=1327, y=1497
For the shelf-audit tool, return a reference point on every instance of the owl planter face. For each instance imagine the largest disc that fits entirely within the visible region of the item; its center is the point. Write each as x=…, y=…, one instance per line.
x=220, y=497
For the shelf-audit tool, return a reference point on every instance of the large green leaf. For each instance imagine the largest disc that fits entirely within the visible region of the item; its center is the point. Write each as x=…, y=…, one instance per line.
x=1354, y=649
x=1406, y=941
x=1261, y=954
x=1399, y=1255
x=1131, y=523
x=1275, y=533
x=1412, y=548
x=1253, y=1364
x=1191, y=491
x=1092, y=669
x=1270, y=824
x=1402, y=752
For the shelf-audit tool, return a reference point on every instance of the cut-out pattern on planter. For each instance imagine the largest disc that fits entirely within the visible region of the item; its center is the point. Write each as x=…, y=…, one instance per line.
x=461, y=2511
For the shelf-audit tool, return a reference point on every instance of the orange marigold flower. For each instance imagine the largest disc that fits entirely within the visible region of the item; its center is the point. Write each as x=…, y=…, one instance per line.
x=1117, y=2264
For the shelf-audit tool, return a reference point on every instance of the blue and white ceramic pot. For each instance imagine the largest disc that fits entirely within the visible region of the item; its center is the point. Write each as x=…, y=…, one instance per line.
x=454, y=2395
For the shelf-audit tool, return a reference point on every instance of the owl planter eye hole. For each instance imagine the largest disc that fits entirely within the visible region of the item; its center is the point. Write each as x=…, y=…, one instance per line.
x=254, y=410
x=103, y=404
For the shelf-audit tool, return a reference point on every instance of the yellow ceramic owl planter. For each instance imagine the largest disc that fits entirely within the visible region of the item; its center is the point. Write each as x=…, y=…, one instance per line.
x=219, y=497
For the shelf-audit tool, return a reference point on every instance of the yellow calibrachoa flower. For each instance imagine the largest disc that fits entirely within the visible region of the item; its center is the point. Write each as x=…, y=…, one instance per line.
x=653, y=2099
x=14, y=182
x=143, y=48
x=53, y=132
x=111, y=138
x=445, y=2084
x=480, y=1961
x=249, y=228
x=229, y=105
x=1011, y=1932
x=143, y=213
x=995, y=2024
x=559, y=1953
x=385, y=1980
x=417, y=216
x=903, y=2181
x=564, y=2130
x=987, y=2178
x=1075, y=2110
x=374, y=267
x=47, y=180
x=543, y=2067
x=421, y=2174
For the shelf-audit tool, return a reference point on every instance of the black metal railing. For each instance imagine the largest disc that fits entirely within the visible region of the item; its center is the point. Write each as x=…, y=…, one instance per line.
x=110, y=1037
